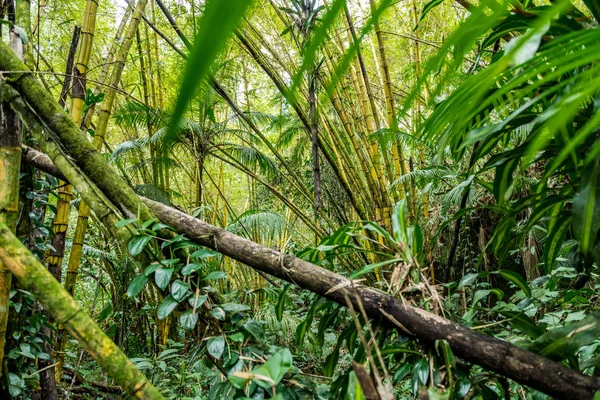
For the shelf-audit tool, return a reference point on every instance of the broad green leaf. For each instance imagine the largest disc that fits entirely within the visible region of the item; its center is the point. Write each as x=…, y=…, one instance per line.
x=234, y=308
x=218, y=313
x=137, y=244
x=151, y=268
x=166, y=307
x=197, y=302
x=219, y=21
x=467, y=280
x=162, y=277
x=136, y=285
x=462, y=387
x=586, y=210
x=503, y=180
x=255, y=329
x=180, y=290
x=515, y=278
x=216, y=346
x=215, y=275
x=203, y=253
x=190, y=268
x=275, y=368
x=281, y=302
x=564, y=342
x=106, y=311
x=188, y=320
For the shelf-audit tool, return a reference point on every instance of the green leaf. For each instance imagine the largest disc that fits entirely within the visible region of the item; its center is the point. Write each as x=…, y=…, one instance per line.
x=520, y=321
x=218, y=313
x=215, y=275
x=188, y=320
x=234, y=308
x=330, y=362
x=462, y=387
x=467, y=280
x=180, y=290
x=503, y=180
x=255, y=329
x=281, y=302
x=421, y=371
x=124, y=222
x=216, y=346
x=106, y=311
x=162, y=276
x=219, y=20
x=151, y=268
x=594, y=7
x=564, y=342
x=197, y=302
x=138, y=243
x=555, y=239
x=516, y=279
x=586, y=210
x=166, y=307
x=136, y=285
x=275, y=368
x=190, y=268
x=237, y=337
x=428, y=7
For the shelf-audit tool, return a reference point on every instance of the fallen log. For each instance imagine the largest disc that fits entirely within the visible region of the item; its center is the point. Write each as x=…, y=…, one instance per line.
x=496, y=355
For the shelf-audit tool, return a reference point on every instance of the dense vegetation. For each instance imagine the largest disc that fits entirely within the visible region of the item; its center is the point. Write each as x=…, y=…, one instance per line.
x=299, y=199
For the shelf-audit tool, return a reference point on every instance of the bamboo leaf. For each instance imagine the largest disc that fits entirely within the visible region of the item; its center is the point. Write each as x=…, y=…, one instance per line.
x=281, y=302
x=555, y=239
x=219, y=20
x=515, y=278
x=586, y=210
x=330, y=362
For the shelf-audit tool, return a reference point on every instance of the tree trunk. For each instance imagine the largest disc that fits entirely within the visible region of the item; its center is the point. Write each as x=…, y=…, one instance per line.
x=11, y=138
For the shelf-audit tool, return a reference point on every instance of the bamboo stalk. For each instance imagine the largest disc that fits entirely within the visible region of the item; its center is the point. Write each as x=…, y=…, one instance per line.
x=65, y=310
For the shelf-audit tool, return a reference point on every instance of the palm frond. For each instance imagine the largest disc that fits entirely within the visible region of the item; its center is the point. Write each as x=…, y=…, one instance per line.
x=133, y=114
x=265, y=224
x=153, y=192
x=251, y=158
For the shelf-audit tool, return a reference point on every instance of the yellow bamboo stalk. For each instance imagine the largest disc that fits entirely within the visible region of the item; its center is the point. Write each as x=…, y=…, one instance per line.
x=84, y=209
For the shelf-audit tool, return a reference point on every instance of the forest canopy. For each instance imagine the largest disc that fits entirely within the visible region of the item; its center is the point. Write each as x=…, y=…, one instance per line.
x=299, y=199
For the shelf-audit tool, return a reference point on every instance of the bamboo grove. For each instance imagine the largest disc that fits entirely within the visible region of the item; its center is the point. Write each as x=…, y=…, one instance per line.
x=299, y=199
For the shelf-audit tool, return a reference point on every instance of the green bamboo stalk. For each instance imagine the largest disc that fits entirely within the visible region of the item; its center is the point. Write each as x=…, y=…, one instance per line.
x=65, y=310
